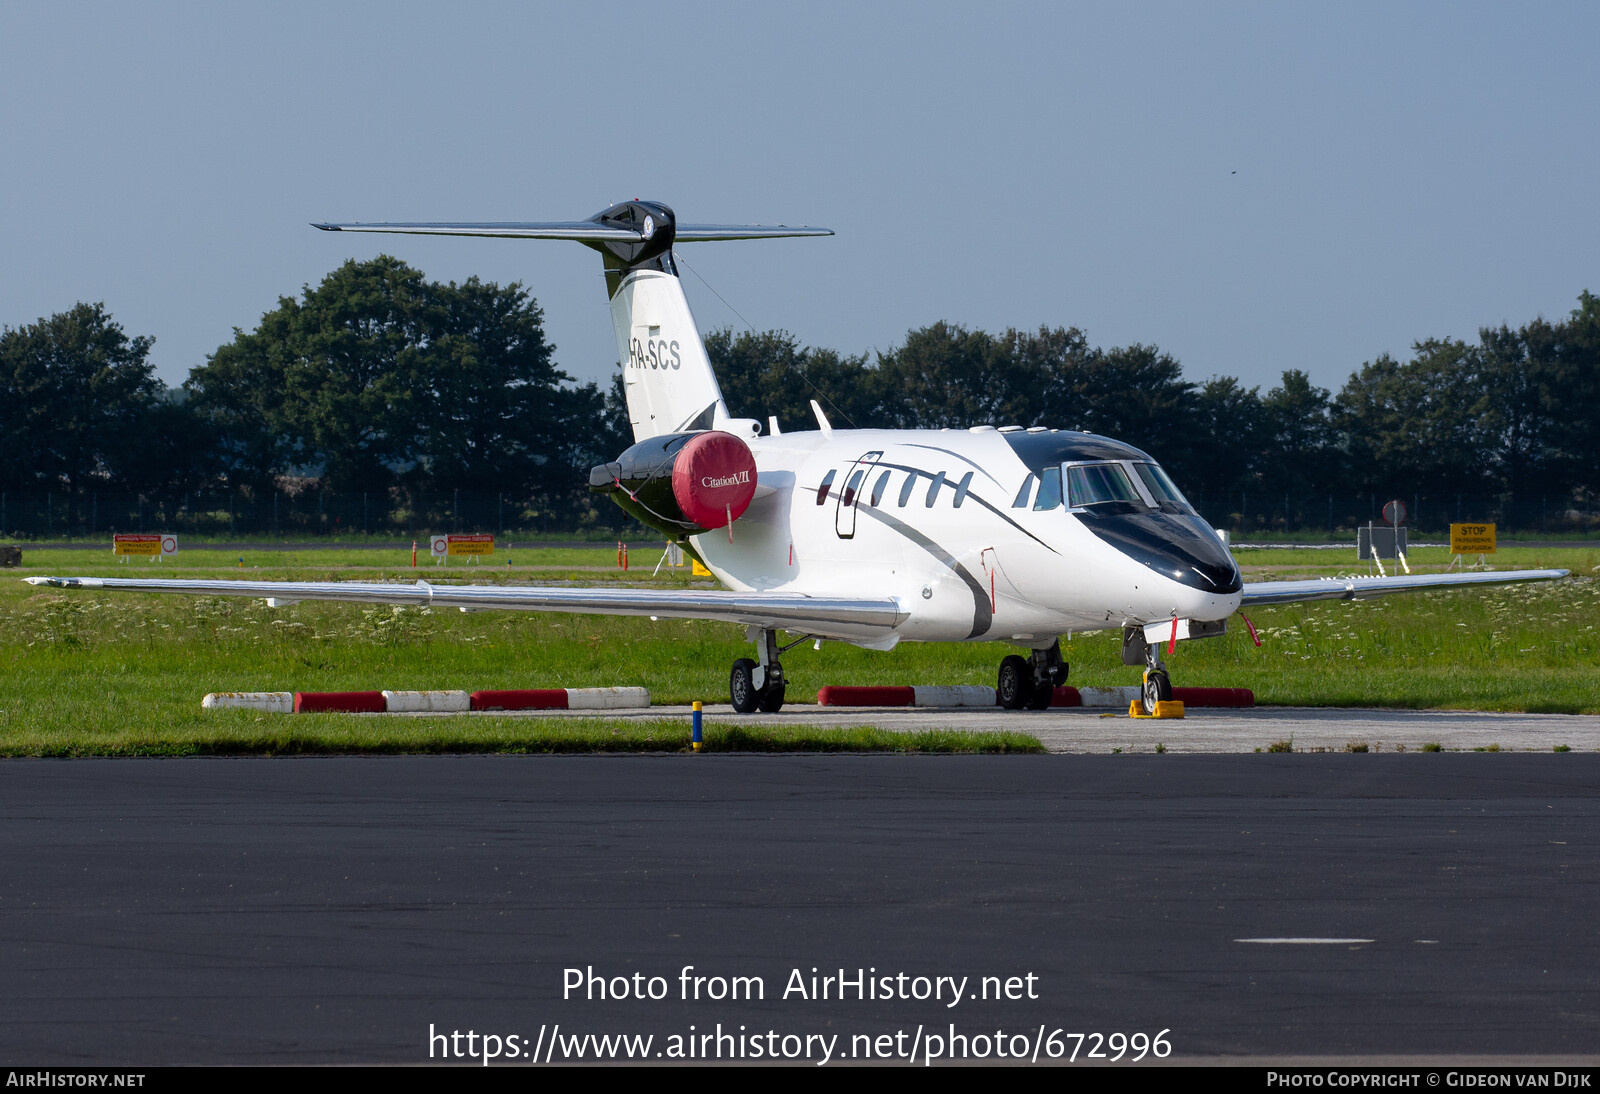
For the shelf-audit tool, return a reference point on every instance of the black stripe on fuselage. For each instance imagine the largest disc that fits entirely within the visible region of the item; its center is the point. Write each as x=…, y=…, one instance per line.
x=957, y=455
x=982, y=614
x=970, y=497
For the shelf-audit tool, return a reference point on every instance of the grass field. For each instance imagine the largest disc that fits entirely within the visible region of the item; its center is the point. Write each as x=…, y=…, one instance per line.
x=119, y=673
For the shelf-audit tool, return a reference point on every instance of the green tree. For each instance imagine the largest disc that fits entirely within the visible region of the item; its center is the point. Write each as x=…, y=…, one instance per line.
x=76, y=397
x=378, y=377
x=769, y=374
x=947, y=376
x=1134, y=393
x=1230, y=444
x=1416, y=427
x=491, y=410
x=1300, y=453
x=1569, y=354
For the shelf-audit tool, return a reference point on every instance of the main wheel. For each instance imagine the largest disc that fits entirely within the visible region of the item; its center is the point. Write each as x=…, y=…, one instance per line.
x=1041, y=697
x=1015, y=686
x=741, y=688
x=770, y=698
x=1157, y=689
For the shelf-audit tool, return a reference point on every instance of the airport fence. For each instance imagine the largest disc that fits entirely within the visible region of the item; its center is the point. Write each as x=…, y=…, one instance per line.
x=305, y=514
x=1337, y=515
x=314, y=513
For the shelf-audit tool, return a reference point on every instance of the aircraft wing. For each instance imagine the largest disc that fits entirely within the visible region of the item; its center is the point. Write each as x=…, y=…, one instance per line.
x=1257, y=593
x=827, y=616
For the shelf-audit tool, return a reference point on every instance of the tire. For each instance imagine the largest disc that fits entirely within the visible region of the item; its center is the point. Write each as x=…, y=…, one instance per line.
x=1157, y=688
x=1041, y=697
x=742, y=688
x=770, y=698
x=1014, y=689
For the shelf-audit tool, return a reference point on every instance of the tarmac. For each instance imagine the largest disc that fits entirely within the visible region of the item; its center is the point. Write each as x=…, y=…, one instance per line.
x=1351, y=909
x=1202, y=730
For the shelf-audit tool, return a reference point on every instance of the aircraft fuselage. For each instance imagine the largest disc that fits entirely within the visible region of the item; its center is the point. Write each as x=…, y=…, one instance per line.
x=951, y=524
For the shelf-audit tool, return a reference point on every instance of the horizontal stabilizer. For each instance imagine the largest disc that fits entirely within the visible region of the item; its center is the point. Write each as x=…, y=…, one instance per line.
x=587, y=231
x=555, y=229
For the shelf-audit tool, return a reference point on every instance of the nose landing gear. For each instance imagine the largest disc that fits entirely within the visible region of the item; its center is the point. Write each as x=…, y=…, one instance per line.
x=1156, y=686
x=1029, y=683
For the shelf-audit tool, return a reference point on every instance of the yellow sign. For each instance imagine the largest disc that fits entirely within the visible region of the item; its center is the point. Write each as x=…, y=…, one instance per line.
x=1472, y=539
x=444, y=546
x=697, y=570
x=472, y=545
x=153, y=545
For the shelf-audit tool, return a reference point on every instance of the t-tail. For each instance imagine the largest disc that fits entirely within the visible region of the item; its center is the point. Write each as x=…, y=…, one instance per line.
x=668, y=378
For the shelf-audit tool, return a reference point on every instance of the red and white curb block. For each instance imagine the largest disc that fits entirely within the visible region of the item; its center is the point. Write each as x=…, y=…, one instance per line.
x=427, y=702
x=562, y=699
x=959, y=695
x=1118, y=698
x=278, y=702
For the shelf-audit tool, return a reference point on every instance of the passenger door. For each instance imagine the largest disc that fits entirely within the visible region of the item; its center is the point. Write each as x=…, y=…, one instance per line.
x=855, y=484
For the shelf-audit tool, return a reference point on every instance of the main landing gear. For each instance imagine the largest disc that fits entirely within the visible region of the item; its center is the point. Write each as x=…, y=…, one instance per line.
x=756, y=686
x=1157, y=686
x=1030, y=682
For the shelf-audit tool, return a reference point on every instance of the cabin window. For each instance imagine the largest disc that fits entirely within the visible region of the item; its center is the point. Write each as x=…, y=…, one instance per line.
x=1023, y=494
x=933, y=489
x=961, y=489
x=1049, y=489
x=905, y=491
x=878, y=488
x=1098, y=483
x=822, y=491
x=850, y=490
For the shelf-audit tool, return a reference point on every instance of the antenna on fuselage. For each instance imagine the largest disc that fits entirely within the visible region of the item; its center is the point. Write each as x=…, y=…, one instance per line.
x=822, y=419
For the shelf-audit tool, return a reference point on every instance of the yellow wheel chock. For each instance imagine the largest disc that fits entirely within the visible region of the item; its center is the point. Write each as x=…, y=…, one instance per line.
x=1169, y=708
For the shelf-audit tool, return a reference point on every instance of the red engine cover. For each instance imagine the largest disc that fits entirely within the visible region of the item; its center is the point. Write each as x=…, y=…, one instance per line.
x=714, y=478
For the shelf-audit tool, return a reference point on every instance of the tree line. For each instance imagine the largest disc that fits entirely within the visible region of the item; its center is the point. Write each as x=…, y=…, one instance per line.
x=380, y=382
x=1517, y=411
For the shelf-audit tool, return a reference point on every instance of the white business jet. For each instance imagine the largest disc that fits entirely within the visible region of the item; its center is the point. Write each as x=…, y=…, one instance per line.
x=866, y=536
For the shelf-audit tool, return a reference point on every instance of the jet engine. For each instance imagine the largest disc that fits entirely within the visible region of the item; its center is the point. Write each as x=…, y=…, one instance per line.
x=681, y=483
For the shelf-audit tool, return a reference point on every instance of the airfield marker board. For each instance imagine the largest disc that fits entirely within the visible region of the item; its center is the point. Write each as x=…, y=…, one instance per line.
x=444, y=547
x=153, y=546
x=1472, y=539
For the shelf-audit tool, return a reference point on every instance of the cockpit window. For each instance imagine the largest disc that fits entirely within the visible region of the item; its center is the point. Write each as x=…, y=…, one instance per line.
x=1022, y=495
x=1098, y=483
x=1161, y=488
x=1049, y=489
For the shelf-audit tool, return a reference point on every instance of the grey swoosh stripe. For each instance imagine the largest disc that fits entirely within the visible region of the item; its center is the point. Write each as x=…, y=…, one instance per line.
x=971, y=496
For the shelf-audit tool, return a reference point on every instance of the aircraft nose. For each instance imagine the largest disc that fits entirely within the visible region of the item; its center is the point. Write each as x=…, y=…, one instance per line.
x=1180, y=548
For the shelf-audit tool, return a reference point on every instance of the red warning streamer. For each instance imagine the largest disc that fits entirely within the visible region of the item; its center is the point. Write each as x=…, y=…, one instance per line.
x=1252, y=628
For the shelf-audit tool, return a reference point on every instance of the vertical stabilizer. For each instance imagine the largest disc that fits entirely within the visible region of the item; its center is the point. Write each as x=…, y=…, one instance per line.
x=665, y=371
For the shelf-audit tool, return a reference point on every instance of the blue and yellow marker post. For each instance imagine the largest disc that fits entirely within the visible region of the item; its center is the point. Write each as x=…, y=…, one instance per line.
x=695, y=743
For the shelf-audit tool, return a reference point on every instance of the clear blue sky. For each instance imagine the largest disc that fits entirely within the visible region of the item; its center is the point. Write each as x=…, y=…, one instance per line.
x=1252, y=187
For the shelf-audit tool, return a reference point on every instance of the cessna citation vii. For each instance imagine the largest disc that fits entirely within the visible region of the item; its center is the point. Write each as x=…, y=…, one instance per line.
x=867, y=536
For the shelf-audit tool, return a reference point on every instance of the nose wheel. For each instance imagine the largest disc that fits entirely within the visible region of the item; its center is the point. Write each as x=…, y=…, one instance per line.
x=1157, y=689
x=1029, y=683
